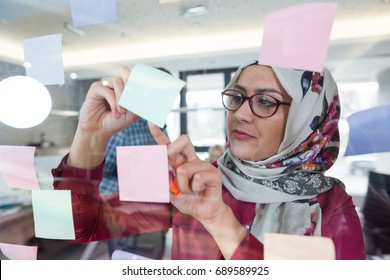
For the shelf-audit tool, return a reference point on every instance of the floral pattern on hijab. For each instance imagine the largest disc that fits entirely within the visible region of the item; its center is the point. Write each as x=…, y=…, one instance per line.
x=315, y=153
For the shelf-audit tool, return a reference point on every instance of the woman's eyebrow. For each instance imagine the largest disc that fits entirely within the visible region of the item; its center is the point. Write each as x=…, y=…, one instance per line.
x=265, y=90
x=241, y=88
x=258, y=91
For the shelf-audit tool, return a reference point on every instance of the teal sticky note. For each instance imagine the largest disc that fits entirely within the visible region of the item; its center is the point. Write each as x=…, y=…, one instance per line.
x=150, y=93
x=52, y=210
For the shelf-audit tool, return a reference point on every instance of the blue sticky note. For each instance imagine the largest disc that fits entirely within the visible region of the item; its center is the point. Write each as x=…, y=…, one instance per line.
x=52, y=210
x=150, y=93
x=19, y=9
x=43, y=55
x=87, y=12
x=369, y=131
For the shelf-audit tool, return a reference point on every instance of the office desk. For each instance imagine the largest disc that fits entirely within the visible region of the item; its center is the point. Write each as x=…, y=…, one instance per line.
x=18, y=227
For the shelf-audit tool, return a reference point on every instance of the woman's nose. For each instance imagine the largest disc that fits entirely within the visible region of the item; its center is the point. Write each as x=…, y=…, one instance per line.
x=244, y=113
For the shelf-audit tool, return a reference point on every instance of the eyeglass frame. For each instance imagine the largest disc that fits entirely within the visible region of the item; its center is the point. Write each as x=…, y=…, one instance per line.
x=249, y=99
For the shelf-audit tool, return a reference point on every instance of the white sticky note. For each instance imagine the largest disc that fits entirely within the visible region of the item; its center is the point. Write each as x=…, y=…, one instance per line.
x=43, y=59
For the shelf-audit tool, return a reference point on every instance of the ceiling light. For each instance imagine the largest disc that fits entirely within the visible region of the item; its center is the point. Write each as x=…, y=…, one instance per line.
x=195, y=11
x=27, y=65
x=73, y=29
x=73, y=76
x=24, y=102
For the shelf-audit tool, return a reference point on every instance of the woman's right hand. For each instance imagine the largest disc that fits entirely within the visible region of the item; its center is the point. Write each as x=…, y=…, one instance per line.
x=100, y=113
x=100, y=118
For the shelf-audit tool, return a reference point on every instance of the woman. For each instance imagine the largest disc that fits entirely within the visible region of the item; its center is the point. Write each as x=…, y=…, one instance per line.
x=283, y=134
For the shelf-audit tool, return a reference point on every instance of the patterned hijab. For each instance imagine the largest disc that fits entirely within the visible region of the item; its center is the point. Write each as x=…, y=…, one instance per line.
x=285, y=185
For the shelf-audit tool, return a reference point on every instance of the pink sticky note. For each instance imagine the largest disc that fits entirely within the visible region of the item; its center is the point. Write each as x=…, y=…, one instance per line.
x=19, y=252
x=143, y=173
x=298, y=37
x=17, y=167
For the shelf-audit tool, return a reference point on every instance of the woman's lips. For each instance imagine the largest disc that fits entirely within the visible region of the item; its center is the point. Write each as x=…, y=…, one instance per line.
x=241, y=135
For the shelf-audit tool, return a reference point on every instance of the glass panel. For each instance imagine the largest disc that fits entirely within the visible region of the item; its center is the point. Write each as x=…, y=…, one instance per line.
x=173, y=120
x=353, y=170
x=206, y=116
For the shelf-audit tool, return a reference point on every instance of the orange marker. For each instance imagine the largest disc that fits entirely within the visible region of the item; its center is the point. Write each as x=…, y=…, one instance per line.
x=174, y=188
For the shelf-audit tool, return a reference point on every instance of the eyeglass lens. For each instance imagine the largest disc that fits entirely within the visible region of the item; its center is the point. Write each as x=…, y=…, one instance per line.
x=261, y=105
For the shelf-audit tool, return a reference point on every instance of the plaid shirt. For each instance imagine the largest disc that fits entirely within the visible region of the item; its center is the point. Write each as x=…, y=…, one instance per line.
x=137, y=134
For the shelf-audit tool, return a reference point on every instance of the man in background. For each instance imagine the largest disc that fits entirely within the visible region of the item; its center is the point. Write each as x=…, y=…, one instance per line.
x=149, y=245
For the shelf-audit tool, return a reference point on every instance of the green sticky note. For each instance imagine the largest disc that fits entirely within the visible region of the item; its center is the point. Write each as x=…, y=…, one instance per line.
x=52, y=210
x=150, y=93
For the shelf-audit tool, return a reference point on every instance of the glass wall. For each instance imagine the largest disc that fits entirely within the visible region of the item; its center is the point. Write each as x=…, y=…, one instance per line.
x=204, y=50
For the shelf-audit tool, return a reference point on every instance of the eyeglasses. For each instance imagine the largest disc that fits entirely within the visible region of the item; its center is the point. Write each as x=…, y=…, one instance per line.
x=261, y=104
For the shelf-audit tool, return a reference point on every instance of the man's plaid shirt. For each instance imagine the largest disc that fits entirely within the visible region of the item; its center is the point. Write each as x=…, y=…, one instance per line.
x=136, y=134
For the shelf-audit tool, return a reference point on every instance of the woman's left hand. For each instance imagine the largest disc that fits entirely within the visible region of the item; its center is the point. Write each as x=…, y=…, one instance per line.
x=200, y=192
x=199, y=182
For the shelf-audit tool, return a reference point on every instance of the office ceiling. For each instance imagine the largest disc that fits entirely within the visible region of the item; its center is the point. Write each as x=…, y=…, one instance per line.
x=228, y=35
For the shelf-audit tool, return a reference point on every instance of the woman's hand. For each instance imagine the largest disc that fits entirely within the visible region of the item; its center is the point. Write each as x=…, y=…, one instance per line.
x=100, y=113
x=100, y=118
x=200, y=192
x=199, y=182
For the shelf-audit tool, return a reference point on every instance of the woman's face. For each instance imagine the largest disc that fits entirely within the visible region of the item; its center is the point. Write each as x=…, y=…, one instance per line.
x=251, y=137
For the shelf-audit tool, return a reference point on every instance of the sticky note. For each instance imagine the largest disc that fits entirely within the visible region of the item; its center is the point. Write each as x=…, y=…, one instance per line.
x=19, y=252
x=20, y=9
x=124, y=255
x=369, y=131
x=17, y=167
x=279, y=246
x=43, y=59
x=150, y=93
x=298, y=36
x=143, y=173
x=52, y=210
x=87, y=12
